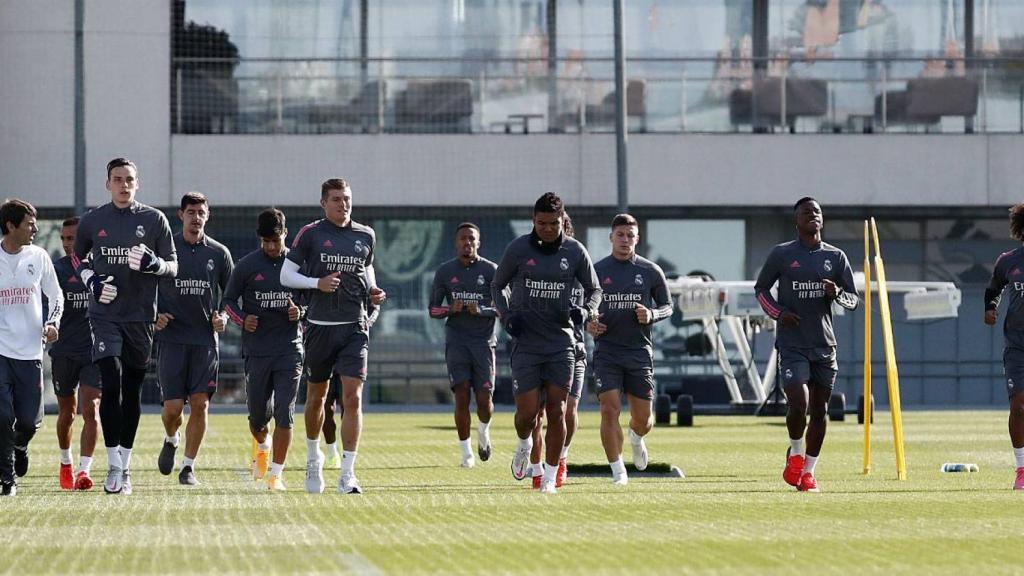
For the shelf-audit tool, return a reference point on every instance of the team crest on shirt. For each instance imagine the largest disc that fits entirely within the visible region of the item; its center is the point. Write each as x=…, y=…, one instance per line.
x=361, y=248
x=101, y=347
x=564, y=264
x=140, y=231
x=827, y=265
x=32, y=269
x=789, y=374
x=480, y=280
x=638, y=280
x=209, y=265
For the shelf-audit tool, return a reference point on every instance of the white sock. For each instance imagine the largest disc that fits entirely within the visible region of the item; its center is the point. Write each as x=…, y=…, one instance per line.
x=85, y=463
x=526, y=443
x=332, y=448
x=536, y=469
x=174, y=440
x=635, y=438
x=809, y=464
x=348, y=464
x=65, y=456
x=314, y=448
x=796, y=447
x=276, y=469
x=186, y=461
x=467, y=450
x=550, y=472
x=483, y=430
x=126, y=457
x=114, y=458
x=264, y=446
x=565, y=452
x=1018, y=453
x=618, y=468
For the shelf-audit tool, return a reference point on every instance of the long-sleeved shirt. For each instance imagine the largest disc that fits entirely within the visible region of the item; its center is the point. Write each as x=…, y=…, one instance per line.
x=455, y=281
x=322, y=248
x=24, y=278
x=194, y=294
x=1009, y=271
x=75, y=335
x=256, y=281
x=800, y=271
x=627, y=283
x=542, y=278
x=105, y=237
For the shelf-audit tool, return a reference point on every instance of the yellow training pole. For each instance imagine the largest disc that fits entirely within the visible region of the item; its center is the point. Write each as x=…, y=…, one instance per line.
x=891, y=373
x=868, y=405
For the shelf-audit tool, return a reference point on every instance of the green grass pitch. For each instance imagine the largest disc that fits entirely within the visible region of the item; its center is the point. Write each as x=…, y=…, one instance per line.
x=421, y=513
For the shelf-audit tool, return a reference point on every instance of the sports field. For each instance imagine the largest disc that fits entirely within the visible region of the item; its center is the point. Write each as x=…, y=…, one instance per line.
x=732, y=514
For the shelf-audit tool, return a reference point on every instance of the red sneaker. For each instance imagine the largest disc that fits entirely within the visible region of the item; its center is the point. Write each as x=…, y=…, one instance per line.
x=562, y=473
x=83, y=481
x=808, y=483
x=1019, y=483
x=67, y=477
x=794, y=469
x=536, y=481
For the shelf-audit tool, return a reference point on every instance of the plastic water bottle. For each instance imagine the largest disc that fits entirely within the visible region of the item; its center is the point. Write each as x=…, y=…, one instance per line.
x=959, y=467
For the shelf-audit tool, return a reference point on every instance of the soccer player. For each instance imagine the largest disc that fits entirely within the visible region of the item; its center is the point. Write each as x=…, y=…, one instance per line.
x=271, y=344
x=333, y=257
x=26, y=274
x=811, y=275
x=635, y=297
x=541, y=268
x=122, y=249
x=330, y=428
x=71, y=362
x=1008, y=272
x=188, y=321
x=464, y=282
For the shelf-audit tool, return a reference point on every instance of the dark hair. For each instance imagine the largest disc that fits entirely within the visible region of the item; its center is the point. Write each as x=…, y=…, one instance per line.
x=117, y=163
x=271, y=222
x=332, y=184
x=624, y=220
x=72, y=221
x=1017, y=222
x=567, y=228
x=193, y=198
x=549, y=203
x=14, y=211
x=803, y=200
x=468, y=225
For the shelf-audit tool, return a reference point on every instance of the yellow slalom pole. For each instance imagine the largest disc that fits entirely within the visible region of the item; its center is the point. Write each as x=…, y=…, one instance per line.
x=868, y=405
x=891, y=373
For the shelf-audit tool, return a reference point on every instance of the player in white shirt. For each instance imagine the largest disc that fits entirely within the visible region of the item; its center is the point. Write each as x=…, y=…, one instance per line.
x=26, y=273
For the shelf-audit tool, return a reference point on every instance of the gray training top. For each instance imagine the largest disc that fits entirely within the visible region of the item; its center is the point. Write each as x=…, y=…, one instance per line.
x=1009, y=271
x=542, y=279
x=257, y=281
x=800, y=271
x=322, y=248
x=105, y=236
x=75, y=339
x=627, y=283
x=195, y=293
x=454, y=281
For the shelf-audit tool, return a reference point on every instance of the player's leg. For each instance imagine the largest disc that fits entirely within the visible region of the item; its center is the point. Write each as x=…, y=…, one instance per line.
x=204, y=371
x=106, y=354
x=172, y=374
x=526, y=390
x=572, y=419
x=28, y=409
x=330, y=427
x=794, y=370
x=286, y=385
x=8, y=485
x=1013, y=369
x=89, y=408
x=351, y=366
x=483, y=374
x=462, y=392
x=537, y=452
x=554, y=409
x=321, y=352
x=823, y=370
x=259, y=404
x=608, y=379
x=639, y=387
x=138, y=343
x=65, y=384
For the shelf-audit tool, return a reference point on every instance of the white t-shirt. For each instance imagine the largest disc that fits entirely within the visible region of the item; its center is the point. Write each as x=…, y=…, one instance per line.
x=24, y=278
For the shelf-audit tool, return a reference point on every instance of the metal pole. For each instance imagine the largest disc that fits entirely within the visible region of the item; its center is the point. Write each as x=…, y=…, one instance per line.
x=79, y=107
x=620, y=110
x=364, y=43
x=552, y=17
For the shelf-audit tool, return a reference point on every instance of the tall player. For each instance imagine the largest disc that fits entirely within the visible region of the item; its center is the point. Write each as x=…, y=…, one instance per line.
x=122, y=250
x=333, y=258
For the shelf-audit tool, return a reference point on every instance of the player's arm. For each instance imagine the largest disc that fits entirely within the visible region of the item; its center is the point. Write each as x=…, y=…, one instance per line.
x=994, y=291
x=102, y=286
x=233, y=291
x=51, y=289
x=437, y=296
x=660, y=296
x=500, y=294
x=769, y=274
x=160, y=262
x=846, y=291
x=592, y=292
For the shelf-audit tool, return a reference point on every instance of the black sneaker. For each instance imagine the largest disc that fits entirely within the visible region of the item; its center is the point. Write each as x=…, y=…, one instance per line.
x=166, y=460
x=187, y=477
x=8, y=488
x=20, y=461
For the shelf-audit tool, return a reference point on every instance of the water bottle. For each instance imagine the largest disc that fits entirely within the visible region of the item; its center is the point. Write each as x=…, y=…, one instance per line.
x=958, y=467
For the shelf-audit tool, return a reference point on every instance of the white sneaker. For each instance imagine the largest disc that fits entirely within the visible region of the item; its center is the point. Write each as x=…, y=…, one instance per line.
x=113, y=485
x=639, y=452
x=548, y=487
x=126, y=483
x=521, y=463
x=315, y=474
x=620, y=480
x=349, y=485
x=468, y=461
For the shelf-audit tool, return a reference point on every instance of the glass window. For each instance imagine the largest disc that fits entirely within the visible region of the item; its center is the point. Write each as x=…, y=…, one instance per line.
x=717, y=247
